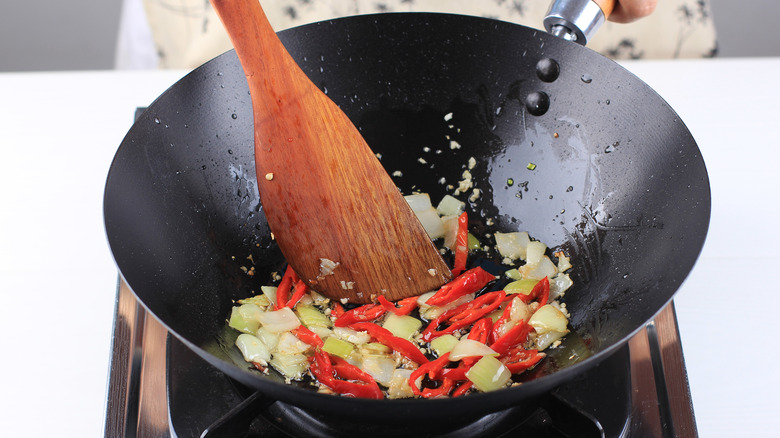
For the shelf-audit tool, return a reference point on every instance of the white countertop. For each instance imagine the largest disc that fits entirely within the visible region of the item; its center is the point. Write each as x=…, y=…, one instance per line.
x=59, y=132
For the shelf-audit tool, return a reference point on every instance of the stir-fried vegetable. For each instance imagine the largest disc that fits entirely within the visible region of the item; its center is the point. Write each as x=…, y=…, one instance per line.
x=469, y=335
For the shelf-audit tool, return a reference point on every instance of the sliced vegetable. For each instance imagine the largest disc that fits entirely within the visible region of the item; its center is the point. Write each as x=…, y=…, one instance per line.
x=461, y=245
x=548, y=318
x=401, y=345
x=403, y=326
x=470, y=348
x=443, y=344
x=405, y=306
x=399, y=384
x=381, y=368
x=512, y=245
x=270, y=294
x=489, y=374
x=283, y=291
x=524, y=286
x=513, y=274
x=307, y=336
x=368, y=312
x=260, y=300
x=246, y=318
x=450, y=206
x=466, y=283
x=419, y=201
x=291, y=366
x=545, y=268
x=351, y=336
x=338, y=347
x=300, y=289
x=253, y=349
x=279, y=321
x=311, y=316
x=431, y=222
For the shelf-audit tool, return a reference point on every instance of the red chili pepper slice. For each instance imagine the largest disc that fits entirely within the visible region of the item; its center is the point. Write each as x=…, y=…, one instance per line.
x=384, y=336
x=323, y=370
x=495, y=333
x=480, y=331
x=461, y=244
x=443, y=389
x=542, y=291
x=283, y=290
x=406, y=305
x=347, y=371
x=337, y=310
x=466, y=283
x=307, y=336
x=430, y=368
x=368, y=312
x=519, y=359
x=462, y=389
x=518, y=334
x=463, y=315
x=300, y=289
x=458, y=373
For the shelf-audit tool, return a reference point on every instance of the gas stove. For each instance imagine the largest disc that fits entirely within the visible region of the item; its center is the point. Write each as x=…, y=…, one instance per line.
x=160, y=388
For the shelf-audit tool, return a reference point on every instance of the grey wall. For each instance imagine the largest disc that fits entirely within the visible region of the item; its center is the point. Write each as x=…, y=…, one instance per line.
x=58, y=34
x=82, y=34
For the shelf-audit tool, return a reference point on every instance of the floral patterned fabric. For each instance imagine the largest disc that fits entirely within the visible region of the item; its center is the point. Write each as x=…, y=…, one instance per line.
x=188, y=33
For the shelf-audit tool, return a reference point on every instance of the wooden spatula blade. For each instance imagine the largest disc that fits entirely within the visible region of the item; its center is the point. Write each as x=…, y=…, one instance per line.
x=337, y=216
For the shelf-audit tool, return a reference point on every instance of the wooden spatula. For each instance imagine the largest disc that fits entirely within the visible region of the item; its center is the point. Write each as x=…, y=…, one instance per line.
x=338, y=218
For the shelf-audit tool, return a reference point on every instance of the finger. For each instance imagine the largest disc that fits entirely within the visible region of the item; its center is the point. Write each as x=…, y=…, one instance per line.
x=627, y=11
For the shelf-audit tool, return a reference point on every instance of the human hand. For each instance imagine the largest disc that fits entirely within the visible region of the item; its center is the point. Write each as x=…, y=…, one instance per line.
x=627, y=11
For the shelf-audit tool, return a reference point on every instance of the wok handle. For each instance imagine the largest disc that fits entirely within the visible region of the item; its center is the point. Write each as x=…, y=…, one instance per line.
x=577, y=20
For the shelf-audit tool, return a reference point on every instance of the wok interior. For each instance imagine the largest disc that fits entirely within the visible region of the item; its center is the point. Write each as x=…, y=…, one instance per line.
x=618, y=182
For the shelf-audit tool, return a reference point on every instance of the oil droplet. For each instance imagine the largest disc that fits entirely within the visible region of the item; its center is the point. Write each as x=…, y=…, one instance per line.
x=234, y=116
x=537, y=103
x=586, y=78
x=548, y=69
x=510, y=182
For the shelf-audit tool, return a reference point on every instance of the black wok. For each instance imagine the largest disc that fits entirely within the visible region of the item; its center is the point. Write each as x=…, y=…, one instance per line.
x=619, y=182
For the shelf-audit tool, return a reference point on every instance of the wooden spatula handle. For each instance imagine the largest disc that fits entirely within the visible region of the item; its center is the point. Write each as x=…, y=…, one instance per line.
x=324, y=193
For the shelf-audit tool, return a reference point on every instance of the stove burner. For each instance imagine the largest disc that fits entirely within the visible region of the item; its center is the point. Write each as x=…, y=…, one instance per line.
x=561, y=414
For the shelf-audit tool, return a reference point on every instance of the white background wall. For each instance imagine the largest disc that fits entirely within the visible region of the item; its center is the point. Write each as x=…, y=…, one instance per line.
x=82, y=34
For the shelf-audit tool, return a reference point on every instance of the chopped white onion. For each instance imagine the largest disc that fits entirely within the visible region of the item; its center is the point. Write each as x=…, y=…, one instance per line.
x=512, y=245
x=470, y=348
x=278, y=321
x=534, y=252
x=450, y=206
x=450, y=224
x=419, y=201
x=380, y=368
x=253, y=349
x=548, y=318
x=352, y=336
x=545, y=268
x=559, y=285
x=289, y=344
x=431, y=221
x=399, y=385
